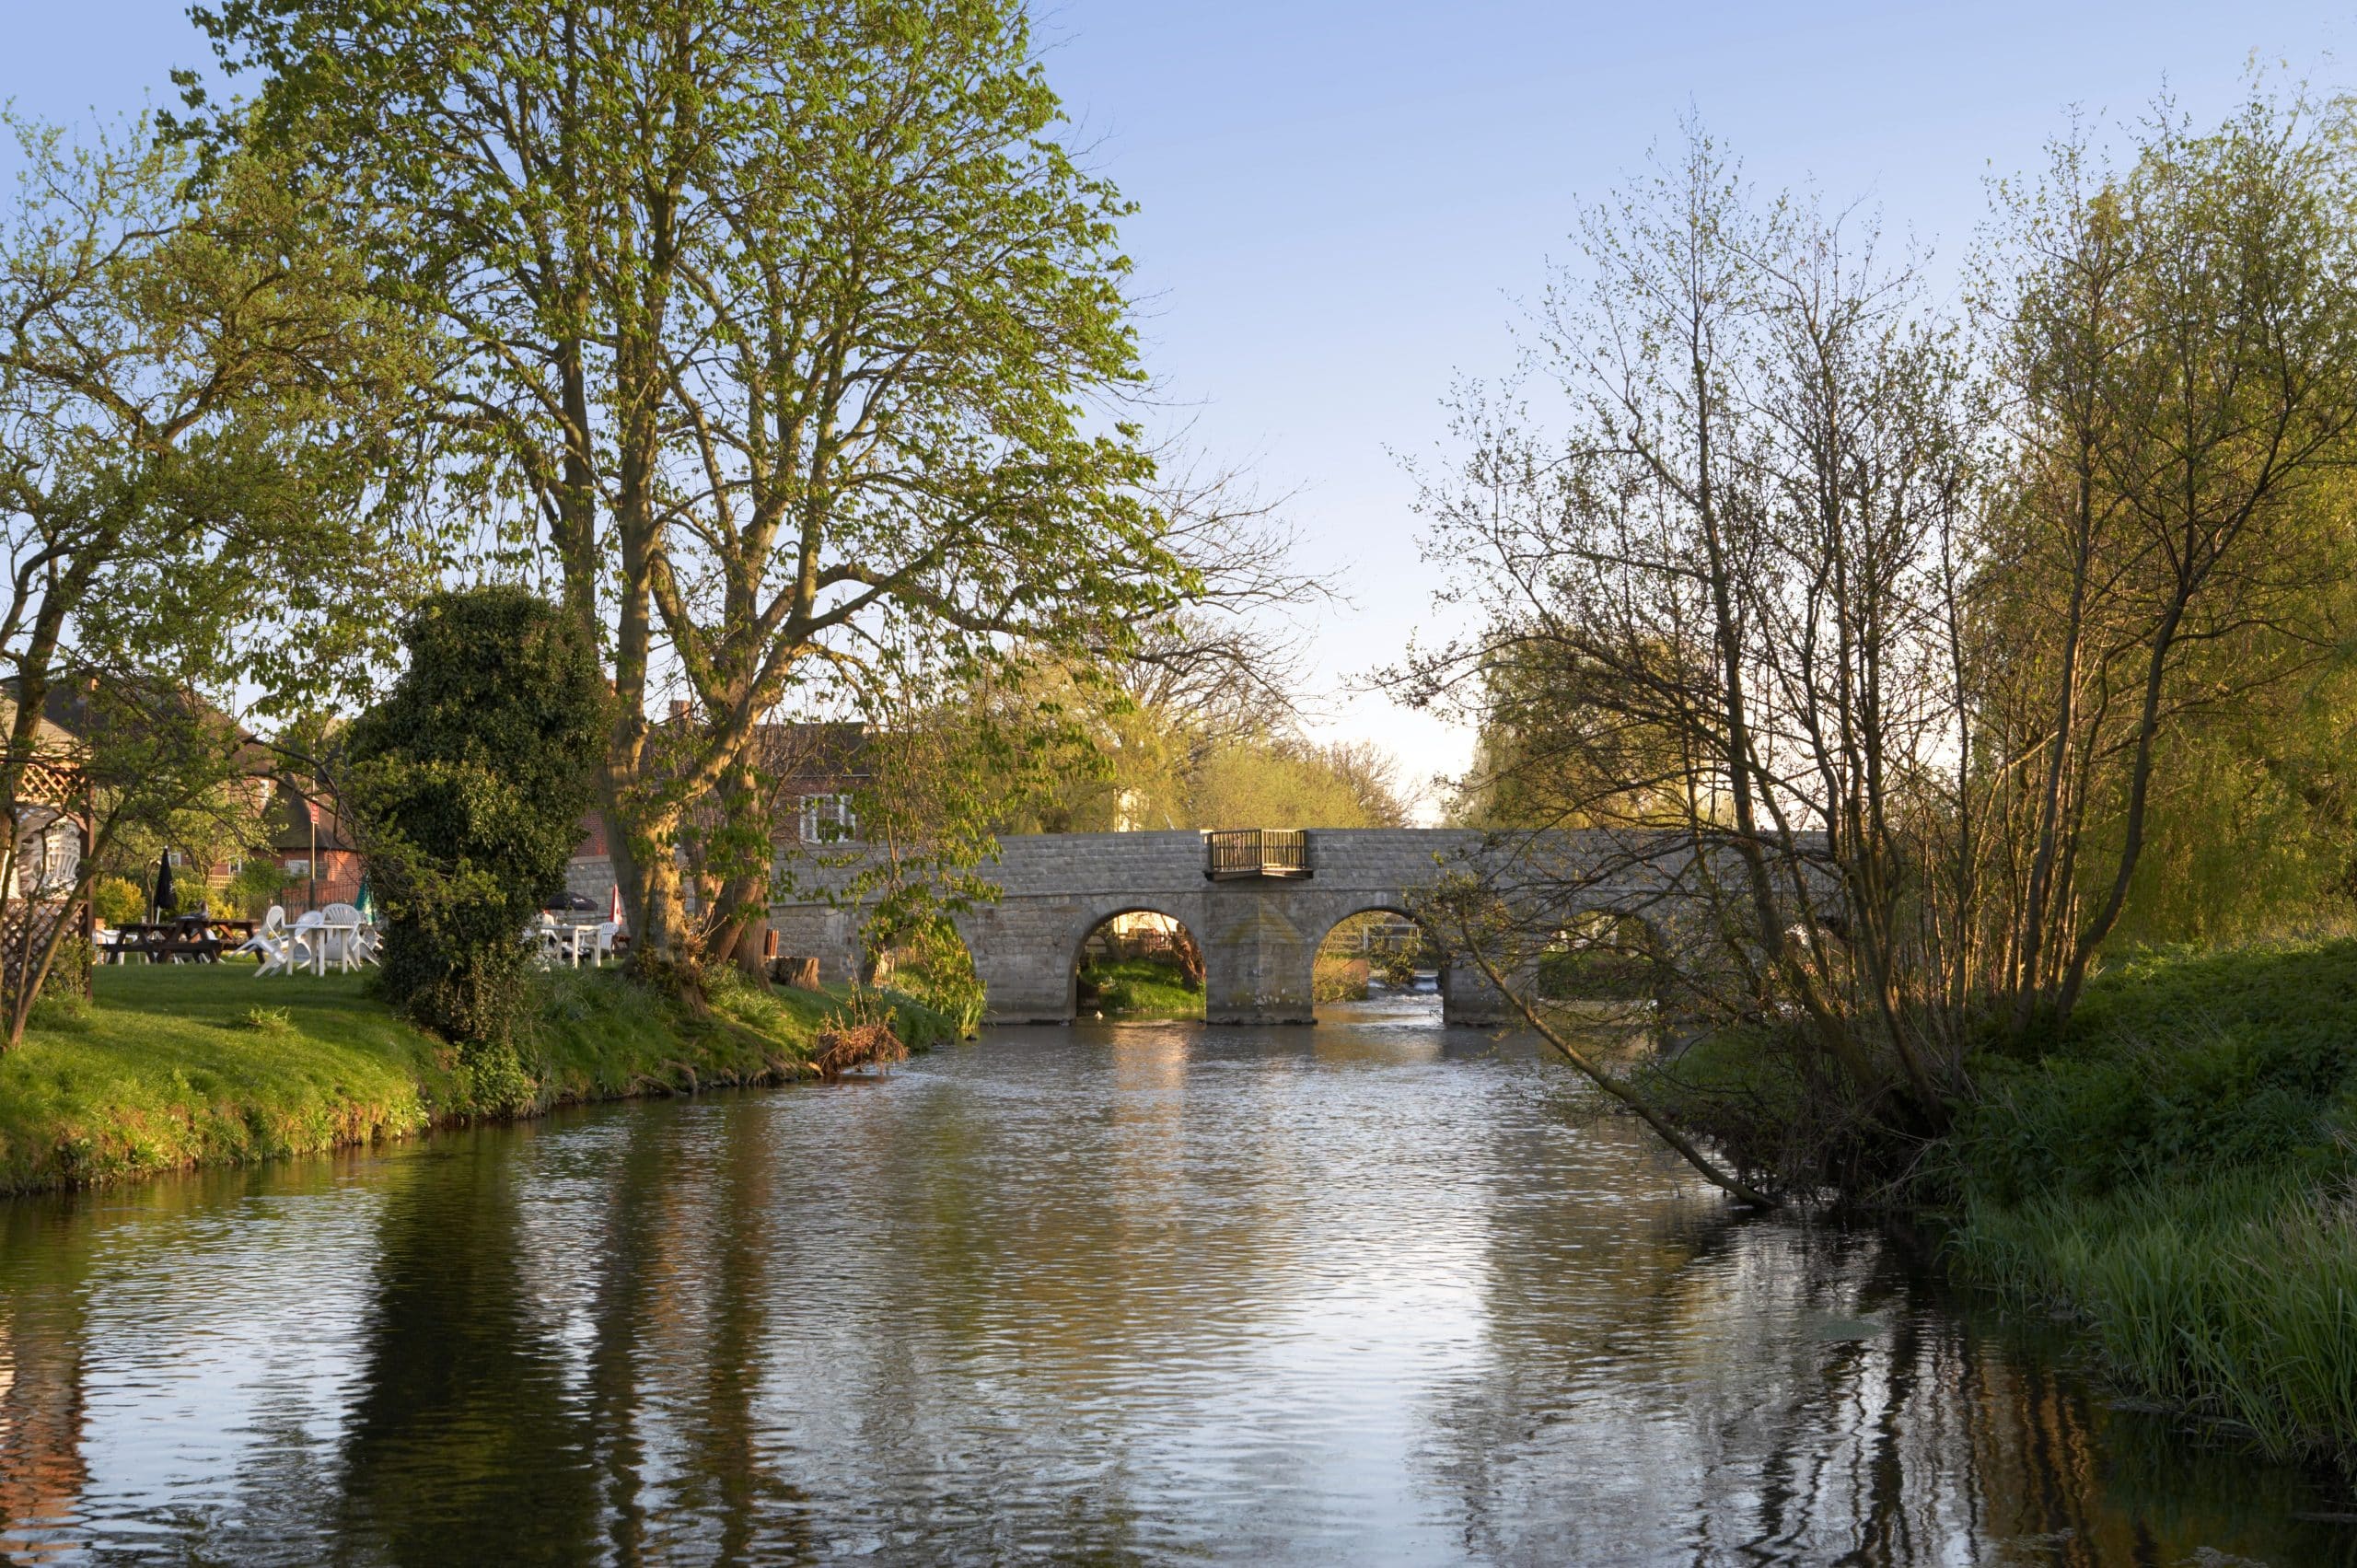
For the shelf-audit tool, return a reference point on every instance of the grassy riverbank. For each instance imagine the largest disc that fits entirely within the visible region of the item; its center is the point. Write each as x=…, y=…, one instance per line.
x=1138, y=988
x=175, y=1066
x=2179, y=1172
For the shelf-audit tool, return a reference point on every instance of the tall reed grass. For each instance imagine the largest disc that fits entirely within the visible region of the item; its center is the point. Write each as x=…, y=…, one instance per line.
x=2234, y=1298
x=2179, y=1175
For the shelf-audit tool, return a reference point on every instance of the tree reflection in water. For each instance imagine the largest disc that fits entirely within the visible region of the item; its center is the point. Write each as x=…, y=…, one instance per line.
x=469, y=1440
x=1136, y=1295
x=42, y=1405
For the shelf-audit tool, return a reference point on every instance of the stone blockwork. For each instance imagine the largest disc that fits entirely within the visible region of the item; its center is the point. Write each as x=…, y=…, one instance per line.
x=591, y=877
x=1259, y=937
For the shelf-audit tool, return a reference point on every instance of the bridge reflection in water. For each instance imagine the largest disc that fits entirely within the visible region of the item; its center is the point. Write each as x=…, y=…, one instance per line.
x=1374, y=1291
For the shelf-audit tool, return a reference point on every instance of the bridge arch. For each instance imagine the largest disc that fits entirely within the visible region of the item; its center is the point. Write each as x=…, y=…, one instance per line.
x=1343, y=910
x=1185, y=940
x=1466, y=994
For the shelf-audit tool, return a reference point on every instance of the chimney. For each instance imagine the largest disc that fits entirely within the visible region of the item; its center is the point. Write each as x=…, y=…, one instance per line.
x=680, y=709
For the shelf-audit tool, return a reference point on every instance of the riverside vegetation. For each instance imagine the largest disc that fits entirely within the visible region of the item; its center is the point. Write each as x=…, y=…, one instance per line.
x=468, y=780
x=173, y=1067
x=2178, y=1171
x=1974, y=682
x=2023, y=631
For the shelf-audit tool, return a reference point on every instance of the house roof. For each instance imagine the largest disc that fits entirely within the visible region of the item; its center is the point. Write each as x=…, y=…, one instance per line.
x=70, y=709
x=50, y=736
x=796, y=753
x=289, y=823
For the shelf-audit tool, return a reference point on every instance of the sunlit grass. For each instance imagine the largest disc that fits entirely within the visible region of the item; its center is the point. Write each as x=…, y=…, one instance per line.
x=1138, y=988
x=164, y=1070
x=174, y=1066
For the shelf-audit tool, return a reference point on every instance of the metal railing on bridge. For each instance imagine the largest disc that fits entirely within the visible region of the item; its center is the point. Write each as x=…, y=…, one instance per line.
x=1230, y=854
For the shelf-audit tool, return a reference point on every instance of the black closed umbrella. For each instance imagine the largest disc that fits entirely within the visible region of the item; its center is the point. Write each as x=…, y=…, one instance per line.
x=164, y=887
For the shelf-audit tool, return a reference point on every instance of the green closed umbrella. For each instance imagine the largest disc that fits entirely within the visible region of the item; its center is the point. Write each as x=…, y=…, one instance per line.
x=365, y=900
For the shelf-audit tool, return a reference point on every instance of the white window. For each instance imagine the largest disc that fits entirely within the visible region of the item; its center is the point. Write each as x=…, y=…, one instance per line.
x=298, y=868
x=828, y=818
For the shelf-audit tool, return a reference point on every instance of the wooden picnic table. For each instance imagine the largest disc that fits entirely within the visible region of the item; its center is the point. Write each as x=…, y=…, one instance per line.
x=189, y=937
x=159, y=942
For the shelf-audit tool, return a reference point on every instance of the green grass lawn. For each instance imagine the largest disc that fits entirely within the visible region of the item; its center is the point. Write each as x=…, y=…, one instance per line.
x=177, y=1065
x=2180, y=1172
x=1138, y=988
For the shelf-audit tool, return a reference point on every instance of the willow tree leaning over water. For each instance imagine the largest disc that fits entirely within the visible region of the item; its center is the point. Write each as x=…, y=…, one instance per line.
x=1843, y=625
x=792, y=340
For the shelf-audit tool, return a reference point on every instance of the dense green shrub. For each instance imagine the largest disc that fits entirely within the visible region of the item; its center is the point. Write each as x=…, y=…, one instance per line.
x=117, y=900
x=2177, y=1064
x=253, y=890
x=468, y=783
x=933, y=967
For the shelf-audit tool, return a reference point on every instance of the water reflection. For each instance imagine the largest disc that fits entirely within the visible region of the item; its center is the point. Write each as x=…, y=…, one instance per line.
x=1371, y=1292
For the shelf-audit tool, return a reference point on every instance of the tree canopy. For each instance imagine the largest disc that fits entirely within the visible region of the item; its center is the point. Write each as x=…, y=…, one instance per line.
x=790, y=339
x=1892, y=642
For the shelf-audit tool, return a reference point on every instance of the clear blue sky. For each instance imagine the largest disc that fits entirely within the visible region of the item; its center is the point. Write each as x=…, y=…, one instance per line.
x=1342, y=199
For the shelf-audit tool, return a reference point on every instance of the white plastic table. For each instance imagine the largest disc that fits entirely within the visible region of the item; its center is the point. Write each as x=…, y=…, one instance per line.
x=320, y=933
x=568, y=940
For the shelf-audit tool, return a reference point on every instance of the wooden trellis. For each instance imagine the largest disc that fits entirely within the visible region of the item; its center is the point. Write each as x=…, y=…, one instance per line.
x=28, y=919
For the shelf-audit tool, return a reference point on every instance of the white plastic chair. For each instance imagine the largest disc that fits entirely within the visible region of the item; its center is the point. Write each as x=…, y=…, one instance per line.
x=272, y=924
x=344, y=947
x=272, y=942
x=307, y=939
x=606, y=931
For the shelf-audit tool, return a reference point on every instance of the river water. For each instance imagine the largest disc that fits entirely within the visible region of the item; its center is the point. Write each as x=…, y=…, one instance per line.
x=1374, y=1292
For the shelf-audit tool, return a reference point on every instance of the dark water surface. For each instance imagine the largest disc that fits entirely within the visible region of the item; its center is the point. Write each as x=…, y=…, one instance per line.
x=1368, y=1293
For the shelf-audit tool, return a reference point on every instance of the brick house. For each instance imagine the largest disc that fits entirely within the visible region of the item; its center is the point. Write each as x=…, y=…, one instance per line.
x=307, y=840
x=813, y=774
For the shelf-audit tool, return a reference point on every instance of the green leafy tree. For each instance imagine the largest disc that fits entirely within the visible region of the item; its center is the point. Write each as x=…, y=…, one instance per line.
x=192, y=401
x=2180, y=345
x=791, y=333
x=468, y=783
x=117, y=900
x=1280, y=781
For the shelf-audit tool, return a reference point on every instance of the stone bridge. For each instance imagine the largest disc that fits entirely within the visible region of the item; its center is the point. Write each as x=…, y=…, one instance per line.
x=1259, y=934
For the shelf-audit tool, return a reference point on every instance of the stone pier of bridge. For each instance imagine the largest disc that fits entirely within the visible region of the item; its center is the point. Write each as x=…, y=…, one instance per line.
x=1259, y=935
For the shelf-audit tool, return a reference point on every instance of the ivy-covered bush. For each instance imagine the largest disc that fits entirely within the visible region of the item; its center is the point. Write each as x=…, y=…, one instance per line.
x=467, y=785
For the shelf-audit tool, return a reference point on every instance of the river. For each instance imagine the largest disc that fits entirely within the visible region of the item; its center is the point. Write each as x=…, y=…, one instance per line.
x=1372, y=1291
